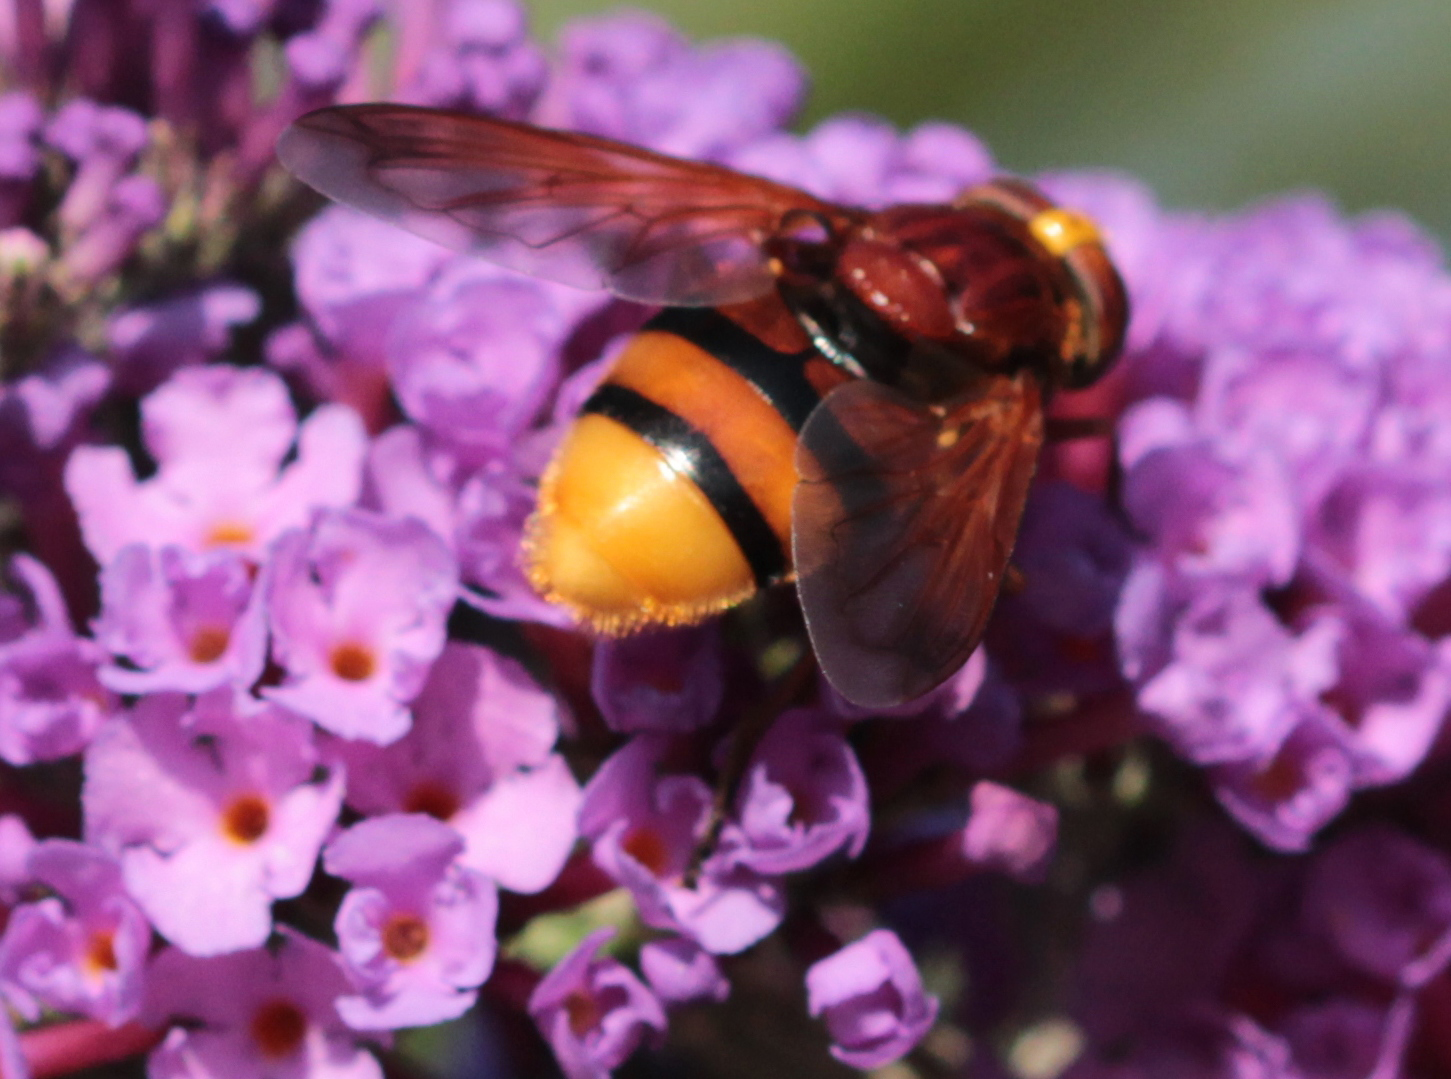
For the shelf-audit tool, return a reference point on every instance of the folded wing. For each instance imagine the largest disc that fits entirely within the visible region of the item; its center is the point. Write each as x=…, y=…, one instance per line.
x=902, y=526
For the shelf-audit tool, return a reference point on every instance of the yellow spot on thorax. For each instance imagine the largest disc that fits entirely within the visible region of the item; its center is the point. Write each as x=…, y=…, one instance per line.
x=1060, y=231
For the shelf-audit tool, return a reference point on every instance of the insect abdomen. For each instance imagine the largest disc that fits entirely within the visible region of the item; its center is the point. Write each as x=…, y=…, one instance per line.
x=670, y=498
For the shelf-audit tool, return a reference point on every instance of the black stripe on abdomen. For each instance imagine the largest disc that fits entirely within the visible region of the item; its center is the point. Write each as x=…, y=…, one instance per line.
x=691, y=454
x=779, y=377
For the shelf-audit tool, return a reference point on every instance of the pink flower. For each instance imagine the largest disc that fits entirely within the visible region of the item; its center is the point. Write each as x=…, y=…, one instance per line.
x=1009, y=831
x=261, y=1014
x=681, y=971
x=358, y=605
x=646, y=824
x=16, y=845
x=870, y=997
x=51, y=702
x=82, y=950
x=480, y=757
x=594, y=1012
x=803, y=798
x=219, y=436
x=212, y=816
x=180, y=620
x=417, y=931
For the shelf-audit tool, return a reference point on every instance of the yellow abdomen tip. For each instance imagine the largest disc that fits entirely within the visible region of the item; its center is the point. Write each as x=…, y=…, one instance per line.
x=624, y=540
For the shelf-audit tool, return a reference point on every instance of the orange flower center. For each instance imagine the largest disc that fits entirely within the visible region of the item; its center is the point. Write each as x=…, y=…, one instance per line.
x=353, y=662
x=101, y=952
x=583, y=1011
x=432, y=798
x=245, y=820
x=229, y=534
x=646, y=846
x=278, y=1028
x=405, y=937
x=208, y=643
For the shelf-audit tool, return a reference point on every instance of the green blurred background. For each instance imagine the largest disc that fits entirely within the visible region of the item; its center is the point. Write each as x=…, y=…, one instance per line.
x=1212, y=102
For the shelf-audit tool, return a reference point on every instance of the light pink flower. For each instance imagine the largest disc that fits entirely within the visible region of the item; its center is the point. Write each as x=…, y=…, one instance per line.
x=81, y=950
x=358, y=606
x=417, y=931
x=211, y=815
x=219, y=436
x=180, y=620
x=263, y=1014
x=480, y=757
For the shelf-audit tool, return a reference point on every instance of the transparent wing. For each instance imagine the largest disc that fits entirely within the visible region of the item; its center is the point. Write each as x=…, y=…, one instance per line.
x=571, y=208
x=902, y=526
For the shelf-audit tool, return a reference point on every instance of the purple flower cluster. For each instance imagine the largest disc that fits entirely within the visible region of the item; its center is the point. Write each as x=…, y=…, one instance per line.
x=270, y=799
x=1284, y=469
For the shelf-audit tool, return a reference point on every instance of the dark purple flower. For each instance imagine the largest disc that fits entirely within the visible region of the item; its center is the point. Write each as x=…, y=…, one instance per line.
x=1383, y=902
x=1135, y=969
x=870, y=997
x=417, y=931
x=1054, y=634
x=671, y=680
x=594, y=1012
x=1350, y=1039
x=1204, y=1044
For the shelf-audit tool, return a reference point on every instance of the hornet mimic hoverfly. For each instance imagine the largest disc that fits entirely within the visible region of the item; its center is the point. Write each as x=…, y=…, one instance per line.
x=845, y=397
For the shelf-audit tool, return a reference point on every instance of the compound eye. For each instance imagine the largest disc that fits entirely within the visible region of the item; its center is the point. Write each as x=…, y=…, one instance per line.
x=1103, y=312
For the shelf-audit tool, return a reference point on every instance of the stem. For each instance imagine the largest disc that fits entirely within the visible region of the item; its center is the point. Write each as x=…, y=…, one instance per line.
x=1098, y=723
x=72, y=1046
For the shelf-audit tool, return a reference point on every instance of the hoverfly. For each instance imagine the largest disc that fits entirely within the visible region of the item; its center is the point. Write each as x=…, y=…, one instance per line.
x=850, y=398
